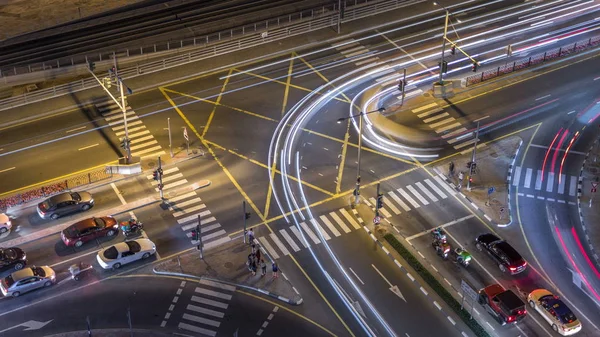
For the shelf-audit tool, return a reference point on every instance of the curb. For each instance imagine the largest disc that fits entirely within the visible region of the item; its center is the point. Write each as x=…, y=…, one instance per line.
x=508, y=190
x=579, y=193
x=405, y=269
x=262, y=291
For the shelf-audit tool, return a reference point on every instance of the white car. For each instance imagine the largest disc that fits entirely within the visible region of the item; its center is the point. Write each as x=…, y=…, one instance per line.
x=5, y=223
x=125, y=252
x=554, y=311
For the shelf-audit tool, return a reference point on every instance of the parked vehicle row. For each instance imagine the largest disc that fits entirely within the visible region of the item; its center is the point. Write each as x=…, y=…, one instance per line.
x=27, y=278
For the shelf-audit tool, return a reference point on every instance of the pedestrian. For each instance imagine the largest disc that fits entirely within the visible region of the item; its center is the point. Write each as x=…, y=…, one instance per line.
x=253, y=267
x=275, y=270
x=257, y=254
x=250, y=236
x=461, y=175
x=451, y=168
x=249, y=262
x=253, y=246
x=263, y=267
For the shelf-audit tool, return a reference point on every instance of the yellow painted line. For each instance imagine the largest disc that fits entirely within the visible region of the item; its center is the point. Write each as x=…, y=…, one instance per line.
x=287, y=86
x=66, y=176
x=404, y=51
x=288, y=310
x=212, y=113
x=545, y=276
x=338, y=182
x=8, y=169
x=348, y=100
x=88, y=147
x=250, y=202
x=256, y=162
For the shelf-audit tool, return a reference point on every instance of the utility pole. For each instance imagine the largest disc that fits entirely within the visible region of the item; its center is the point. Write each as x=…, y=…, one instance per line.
x=403, y=86
x=160, y=174
x=472, y=165
x=170, y=141
x=89, y=329
x=360, y=130
x=378, y=201
x=339, y=23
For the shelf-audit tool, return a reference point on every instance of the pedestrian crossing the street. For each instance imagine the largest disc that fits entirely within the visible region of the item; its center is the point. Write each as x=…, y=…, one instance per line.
x=187, y=208
x=447, y=126
x=543, y=181
x=143, y=144
x=335, y=224
x=206, y=308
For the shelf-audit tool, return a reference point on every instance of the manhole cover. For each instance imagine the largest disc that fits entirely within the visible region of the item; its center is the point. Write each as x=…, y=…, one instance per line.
x=426, y=94
x=228, y=265
x=493, y=154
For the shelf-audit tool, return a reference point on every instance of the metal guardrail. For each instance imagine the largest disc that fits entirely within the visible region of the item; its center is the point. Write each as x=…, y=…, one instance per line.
x=533, y=60
x=212, y=47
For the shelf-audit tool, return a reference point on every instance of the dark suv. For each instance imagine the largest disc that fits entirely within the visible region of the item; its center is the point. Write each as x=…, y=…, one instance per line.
x=504, y=305
x=507, y=258
x=65, y=203
x=12, y=257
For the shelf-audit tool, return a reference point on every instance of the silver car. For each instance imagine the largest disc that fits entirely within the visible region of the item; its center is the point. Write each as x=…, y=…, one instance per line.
x=5, y=223
x=27, y=279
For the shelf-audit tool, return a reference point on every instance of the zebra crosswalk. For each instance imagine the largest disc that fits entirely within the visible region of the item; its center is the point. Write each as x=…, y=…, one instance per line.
x=189, y=209
x=355, y=51
x=442, y=123
x=544, y=181
x=143, y=144
x=206, y=308
x=334, y=224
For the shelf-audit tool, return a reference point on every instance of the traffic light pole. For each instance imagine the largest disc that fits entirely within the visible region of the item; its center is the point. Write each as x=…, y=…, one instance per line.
x=200, y=244
x=472, y=166
x=403, y=86
x=124, y=109
x=377, y=202
x=360, y=131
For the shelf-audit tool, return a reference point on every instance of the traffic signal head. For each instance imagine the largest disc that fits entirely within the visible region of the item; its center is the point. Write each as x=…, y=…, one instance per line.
x=453, y=50
x=443, y=66
x=160, y=187
x=155, y=175
x=194, y=234
x=247, y=216
x=124, y=143
x=474, y=66
x=91, y=65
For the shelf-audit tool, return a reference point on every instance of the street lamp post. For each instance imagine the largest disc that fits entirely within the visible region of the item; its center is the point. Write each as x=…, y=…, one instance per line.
x=441, y=80
x=360, y=130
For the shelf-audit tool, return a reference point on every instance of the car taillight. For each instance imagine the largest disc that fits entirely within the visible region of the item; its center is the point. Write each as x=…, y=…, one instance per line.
x=512, y=268
x=521, y=312
x=511, y=318
x=524, y=264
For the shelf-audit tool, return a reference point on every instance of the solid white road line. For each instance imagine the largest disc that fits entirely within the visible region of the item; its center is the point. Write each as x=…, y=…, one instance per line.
x=358, y=278
x=87, y=147
x=8, y=169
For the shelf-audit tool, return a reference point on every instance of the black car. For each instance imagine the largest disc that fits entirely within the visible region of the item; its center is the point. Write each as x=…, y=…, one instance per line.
x=12, y=257
x=65, y=203
x=507, y=258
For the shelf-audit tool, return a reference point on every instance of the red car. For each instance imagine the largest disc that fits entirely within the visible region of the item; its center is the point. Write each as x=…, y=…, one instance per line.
x=89, y=229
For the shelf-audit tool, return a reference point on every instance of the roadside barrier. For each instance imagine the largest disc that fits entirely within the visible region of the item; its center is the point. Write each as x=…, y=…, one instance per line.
x=52, y=189
x=533, y=60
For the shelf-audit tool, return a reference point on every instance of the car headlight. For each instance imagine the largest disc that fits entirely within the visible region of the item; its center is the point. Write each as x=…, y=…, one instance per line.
x=53, y=277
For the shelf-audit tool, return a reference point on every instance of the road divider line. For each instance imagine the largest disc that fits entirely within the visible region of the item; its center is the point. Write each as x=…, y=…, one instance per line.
x=358, y=278
x=87, y=147
x=73, y=130
x=8, y=169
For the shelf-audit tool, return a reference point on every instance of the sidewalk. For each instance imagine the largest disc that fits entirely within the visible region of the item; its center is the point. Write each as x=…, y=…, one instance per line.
x=493, y=172
x=226, y=263
x=587, y=201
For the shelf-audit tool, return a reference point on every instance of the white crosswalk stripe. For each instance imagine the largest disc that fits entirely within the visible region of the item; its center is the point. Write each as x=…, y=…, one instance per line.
x=206, y=307
x=279, y=244
x=426, y=191
x=408, y=198
x=417, y=194
x=330, y=225
x=435, y=189
x=358, y=53
x=266, y=245
x=545, y=181
x=445, y=186
x=320, y=229
x=289, y=240
x=299, y=236
x=391, y=206
x=349, y=218
x=340, y=223
x=310, y=233
x=399, y=201
x=383, y=211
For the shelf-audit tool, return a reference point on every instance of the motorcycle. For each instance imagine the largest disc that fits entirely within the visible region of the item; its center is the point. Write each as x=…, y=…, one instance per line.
x=438, y=234
x=462, y=257
x=442, y=248
x=131, y=228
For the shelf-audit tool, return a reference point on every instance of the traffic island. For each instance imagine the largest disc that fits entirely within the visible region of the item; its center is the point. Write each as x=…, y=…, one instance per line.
x=226, y=263
x=489, y=189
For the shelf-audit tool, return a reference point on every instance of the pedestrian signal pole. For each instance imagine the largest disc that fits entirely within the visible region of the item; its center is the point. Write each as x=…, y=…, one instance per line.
x=472, y=164
x=245, y=218
x=160, y=174
x=379, y=201
x=200, y=246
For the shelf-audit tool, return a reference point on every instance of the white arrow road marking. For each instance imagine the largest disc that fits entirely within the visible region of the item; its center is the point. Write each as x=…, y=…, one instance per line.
x=29, y=325
x=393, y=288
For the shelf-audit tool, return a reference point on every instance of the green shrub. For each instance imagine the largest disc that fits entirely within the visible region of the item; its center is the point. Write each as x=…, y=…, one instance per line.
x=436, y=286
